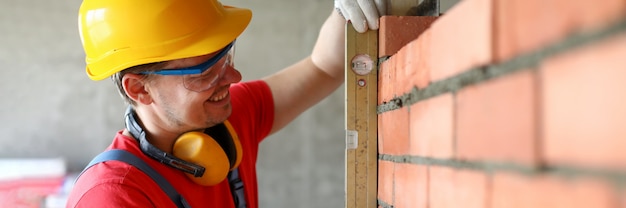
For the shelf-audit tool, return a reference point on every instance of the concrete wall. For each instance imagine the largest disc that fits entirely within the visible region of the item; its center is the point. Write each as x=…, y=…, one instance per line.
x=49, y=108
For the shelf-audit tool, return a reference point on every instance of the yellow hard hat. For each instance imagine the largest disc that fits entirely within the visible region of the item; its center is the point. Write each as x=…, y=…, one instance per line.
x=118, y=34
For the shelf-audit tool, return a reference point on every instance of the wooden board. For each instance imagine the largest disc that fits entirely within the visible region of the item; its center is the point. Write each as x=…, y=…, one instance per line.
x=361, y=121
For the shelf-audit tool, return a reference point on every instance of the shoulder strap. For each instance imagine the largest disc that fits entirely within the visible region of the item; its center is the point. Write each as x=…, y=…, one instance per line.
x=127, y=157
x=236, y=188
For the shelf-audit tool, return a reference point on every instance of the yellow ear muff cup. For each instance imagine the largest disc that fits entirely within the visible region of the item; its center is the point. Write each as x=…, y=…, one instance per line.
x=237, y=144
x=201, y=149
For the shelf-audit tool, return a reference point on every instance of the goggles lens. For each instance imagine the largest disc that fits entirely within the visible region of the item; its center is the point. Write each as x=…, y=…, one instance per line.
x=206, y=75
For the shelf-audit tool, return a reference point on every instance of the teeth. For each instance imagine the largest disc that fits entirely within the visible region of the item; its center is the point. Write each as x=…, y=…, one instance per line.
x=219, y=97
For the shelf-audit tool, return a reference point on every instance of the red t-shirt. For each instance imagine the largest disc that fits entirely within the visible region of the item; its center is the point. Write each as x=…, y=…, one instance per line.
x=117, y=184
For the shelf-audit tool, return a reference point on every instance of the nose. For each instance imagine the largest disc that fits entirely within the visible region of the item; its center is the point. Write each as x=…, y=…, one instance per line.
x=231, y=75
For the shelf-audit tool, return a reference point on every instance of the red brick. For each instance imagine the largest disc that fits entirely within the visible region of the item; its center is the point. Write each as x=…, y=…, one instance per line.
x=402, y=83
x=421, y=76
x=414, y=63
x=411, y=186
x=496, y=120
x=380, y=143
x=397, y=31
x=406, y=66
x=394, y=130
x=584, y=105
x=391, y=82
x=516, y=191
x=385, y=181
x=386, y=76
x=524, y=26
x=461, y=39
x=431, y=129
x=411, y=65
x=449, y=188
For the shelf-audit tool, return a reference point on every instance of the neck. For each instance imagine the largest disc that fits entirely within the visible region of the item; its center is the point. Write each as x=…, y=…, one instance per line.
x=156, y=134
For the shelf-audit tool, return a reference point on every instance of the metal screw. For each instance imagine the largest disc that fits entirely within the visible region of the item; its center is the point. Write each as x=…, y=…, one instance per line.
x=361, y=82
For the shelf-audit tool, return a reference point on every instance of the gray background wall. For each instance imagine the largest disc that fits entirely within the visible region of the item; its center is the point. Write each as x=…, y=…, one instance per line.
x=49, y=108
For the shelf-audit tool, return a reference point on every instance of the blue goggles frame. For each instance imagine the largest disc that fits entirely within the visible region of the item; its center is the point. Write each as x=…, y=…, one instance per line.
x=197, y=69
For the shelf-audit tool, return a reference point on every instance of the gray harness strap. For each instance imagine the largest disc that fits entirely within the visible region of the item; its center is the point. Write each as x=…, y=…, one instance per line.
x=127, y=157
x=236, y=188
x=236, y=184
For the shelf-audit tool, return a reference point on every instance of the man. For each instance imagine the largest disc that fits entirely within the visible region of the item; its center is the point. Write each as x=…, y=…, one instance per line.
x=192, y=130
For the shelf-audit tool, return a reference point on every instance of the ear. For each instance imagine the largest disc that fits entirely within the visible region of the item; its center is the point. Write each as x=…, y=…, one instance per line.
x=135, y=87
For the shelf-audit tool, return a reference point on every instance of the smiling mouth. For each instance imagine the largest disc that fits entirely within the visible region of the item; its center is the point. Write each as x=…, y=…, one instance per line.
x=219, y=97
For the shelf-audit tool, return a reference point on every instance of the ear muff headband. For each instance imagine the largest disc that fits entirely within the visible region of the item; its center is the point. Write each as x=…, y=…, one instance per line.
x=237, y=145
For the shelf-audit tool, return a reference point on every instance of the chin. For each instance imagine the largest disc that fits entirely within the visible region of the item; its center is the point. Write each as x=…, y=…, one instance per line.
x=218, y=117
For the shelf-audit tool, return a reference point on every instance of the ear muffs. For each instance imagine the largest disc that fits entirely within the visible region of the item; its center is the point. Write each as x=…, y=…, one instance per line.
x=206, y=157
x=218, y=150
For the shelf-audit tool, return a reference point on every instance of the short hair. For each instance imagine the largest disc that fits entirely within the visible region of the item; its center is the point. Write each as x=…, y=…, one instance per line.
x=117, y=77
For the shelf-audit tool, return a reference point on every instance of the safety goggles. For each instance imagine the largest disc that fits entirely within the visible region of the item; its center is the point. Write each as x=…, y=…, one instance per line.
x=206, y=75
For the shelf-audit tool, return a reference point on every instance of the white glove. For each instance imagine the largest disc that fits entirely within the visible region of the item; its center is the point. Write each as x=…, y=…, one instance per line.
x=363, y=14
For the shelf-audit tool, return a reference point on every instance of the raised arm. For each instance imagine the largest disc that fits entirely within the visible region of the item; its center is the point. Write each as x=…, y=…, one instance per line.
x=305, y=83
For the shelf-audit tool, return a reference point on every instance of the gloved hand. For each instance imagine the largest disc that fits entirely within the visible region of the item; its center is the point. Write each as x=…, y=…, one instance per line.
x=363, y=14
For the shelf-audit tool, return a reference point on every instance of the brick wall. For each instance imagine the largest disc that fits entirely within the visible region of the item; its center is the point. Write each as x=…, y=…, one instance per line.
x=504, y=103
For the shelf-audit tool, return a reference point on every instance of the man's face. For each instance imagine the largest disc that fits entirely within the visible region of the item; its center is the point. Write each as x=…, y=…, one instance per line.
x=182, y=108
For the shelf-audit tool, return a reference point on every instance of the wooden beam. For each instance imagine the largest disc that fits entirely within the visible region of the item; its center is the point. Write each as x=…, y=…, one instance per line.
x=361, y=118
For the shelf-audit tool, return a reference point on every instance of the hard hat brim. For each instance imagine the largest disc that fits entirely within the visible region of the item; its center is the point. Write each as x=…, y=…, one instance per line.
x=233, y=23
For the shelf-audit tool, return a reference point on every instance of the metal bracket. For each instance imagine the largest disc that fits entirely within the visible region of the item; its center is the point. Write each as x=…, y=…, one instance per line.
x=414, y=7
